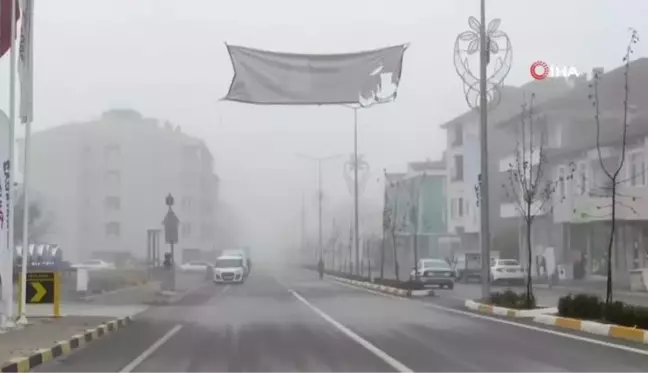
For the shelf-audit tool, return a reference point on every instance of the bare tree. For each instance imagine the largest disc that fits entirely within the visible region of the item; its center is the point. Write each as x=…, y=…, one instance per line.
x=39, y=223
x=391, y=222
x=529, y=188
x=612, y=173
x=414, y=208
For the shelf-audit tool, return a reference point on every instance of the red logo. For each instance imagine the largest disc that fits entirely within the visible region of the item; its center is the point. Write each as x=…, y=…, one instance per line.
x=539, y=70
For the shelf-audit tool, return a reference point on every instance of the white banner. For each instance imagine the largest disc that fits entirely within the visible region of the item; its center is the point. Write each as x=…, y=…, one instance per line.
x=6, y=254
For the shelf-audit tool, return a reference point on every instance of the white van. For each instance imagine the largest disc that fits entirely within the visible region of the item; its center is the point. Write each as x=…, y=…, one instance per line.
x=229, y=269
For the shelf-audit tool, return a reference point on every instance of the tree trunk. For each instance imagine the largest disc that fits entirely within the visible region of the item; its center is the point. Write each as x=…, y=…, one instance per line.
x=529, y=284
x=608, y=291
x=416, y=273
x=382, y=258
x=395, y=248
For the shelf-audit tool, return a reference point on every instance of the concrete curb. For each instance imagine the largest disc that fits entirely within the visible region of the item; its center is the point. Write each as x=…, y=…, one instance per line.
x=27, y=363
x=593, y=327
x=89, y=298
x=171, y=297
x=502, y=311
x=384, y=288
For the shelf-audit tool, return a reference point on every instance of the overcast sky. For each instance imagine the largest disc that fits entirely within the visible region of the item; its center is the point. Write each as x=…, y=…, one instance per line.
x=167, y=59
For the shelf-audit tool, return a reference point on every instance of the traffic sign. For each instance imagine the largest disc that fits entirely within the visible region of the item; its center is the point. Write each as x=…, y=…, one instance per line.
x=43, y=288
x=171, y=223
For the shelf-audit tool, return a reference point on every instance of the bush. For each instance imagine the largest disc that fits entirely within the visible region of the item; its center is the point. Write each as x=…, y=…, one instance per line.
x=109, y=280
x=511, y=299
x=591, y=307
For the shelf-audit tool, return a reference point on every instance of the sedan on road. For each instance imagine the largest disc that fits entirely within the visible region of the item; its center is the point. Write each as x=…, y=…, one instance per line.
x=506, y=270
x=435, y=272
x=94, y=265
x=194, y=267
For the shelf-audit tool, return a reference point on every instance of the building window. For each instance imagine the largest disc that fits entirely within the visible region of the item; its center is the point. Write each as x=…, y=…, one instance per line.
x=186, y=203
x=190, y=153
x=206, y=232
x=186, y=230
x=458, y=168
x=582, y=178
x=561, y=182
x=453, y=208
x=112, y=203
x=457, y=135
x=637, y=168
x=112, y=152
x=113, y=178
x=113, y=229
x=460, y=206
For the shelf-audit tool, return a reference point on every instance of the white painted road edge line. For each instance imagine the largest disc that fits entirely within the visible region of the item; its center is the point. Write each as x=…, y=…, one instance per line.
x=400, y=367
x=513, y=323
x=149, y=351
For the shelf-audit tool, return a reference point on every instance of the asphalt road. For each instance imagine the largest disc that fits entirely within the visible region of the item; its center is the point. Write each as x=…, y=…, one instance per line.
x=291, y=321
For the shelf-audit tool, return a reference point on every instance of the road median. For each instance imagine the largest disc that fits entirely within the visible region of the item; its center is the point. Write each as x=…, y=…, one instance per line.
x=593, y=327
x=22, y=349
x=509, y=312
x=384, y=288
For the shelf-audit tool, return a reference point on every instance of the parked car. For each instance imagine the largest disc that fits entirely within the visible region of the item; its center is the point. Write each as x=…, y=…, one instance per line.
x=435, y=272
x=195, y=266
x=94, y=264
x=506, y=270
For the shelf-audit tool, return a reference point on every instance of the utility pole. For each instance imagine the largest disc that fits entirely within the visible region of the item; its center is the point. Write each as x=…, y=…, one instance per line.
x=355, y=191
x=484, y=50
x=303, y=226
x=319, y=161
x=319, y=208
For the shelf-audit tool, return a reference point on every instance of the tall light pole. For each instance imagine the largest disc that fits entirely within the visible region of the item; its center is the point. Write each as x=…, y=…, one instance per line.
x=319, y=161
x=483, y=132
x=482, y=94
x=356, y=224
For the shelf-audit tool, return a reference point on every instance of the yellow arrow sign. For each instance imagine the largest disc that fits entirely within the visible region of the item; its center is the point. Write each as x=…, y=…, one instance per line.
x=40, y=292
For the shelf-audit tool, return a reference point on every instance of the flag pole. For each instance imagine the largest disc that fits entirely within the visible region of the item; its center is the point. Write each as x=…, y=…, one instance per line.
x=26, y=116
x=8, y=296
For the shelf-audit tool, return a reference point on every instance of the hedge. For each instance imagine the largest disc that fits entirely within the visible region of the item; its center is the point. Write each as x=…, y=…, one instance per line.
x=511, y=299
x=405, y=285
x=592, y=307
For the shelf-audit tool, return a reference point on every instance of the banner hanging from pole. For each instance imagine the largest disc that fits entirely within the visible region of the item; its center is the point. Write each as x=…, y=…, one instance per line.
x=6, y=254
x=273, y=78
x=5, y=24
x=26, y=62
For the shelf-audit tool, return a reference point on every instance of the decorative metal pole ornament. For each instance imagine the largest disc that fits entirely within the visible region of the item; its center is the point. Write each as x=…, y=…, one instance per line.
x=363, y=173
x=499, y=50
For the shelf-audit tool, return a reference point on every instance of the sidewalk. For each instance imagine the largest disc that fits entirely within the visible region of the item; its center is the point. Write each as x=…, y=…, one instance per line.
x=44, y=333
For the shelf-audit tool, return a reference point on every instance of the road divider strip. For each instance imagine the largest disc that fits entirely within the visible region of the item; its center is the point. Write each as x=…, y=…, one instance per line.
x=593, y=327
x=27, y=363
x=384, y=288
x=502, y=311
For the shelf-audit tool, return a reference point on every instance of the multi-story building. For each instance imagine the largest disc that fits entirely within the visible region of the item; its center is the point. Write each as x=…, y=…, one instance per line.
x=574, y=228
x=415, y=202
x=463, y=158
x=106, y=181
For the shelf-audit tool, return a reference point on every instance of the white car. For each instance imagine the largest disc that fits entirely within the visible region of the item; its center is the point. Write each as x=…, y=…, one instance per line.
x=506, y=270
x=435, y=272
x=229, y=269
x=94, y=264
x=194, y=266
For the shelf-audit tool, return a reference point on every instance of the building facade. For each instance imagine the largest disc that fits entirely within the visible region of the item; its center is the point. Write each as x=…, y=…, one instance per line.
x=105, y=181
x=573, y=230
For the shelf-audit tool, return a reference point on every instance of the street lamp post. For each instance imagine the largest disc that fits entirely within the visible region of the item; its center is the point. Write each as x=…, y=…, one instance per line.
x=488, y=41
x=319, y=161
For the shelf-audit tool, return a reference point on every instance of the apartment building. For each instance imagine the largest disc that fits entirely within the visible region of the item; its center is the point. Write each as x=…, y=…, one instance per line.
x=463, y=162
x=574, y=228
x=421, y=190
x=105, y=181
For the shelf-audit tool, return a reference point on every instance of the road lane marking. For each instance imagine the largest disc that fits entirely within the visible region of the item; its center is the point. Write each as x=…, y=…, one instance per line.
x=512, y=323
x=400, y=367
x=149, y=351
